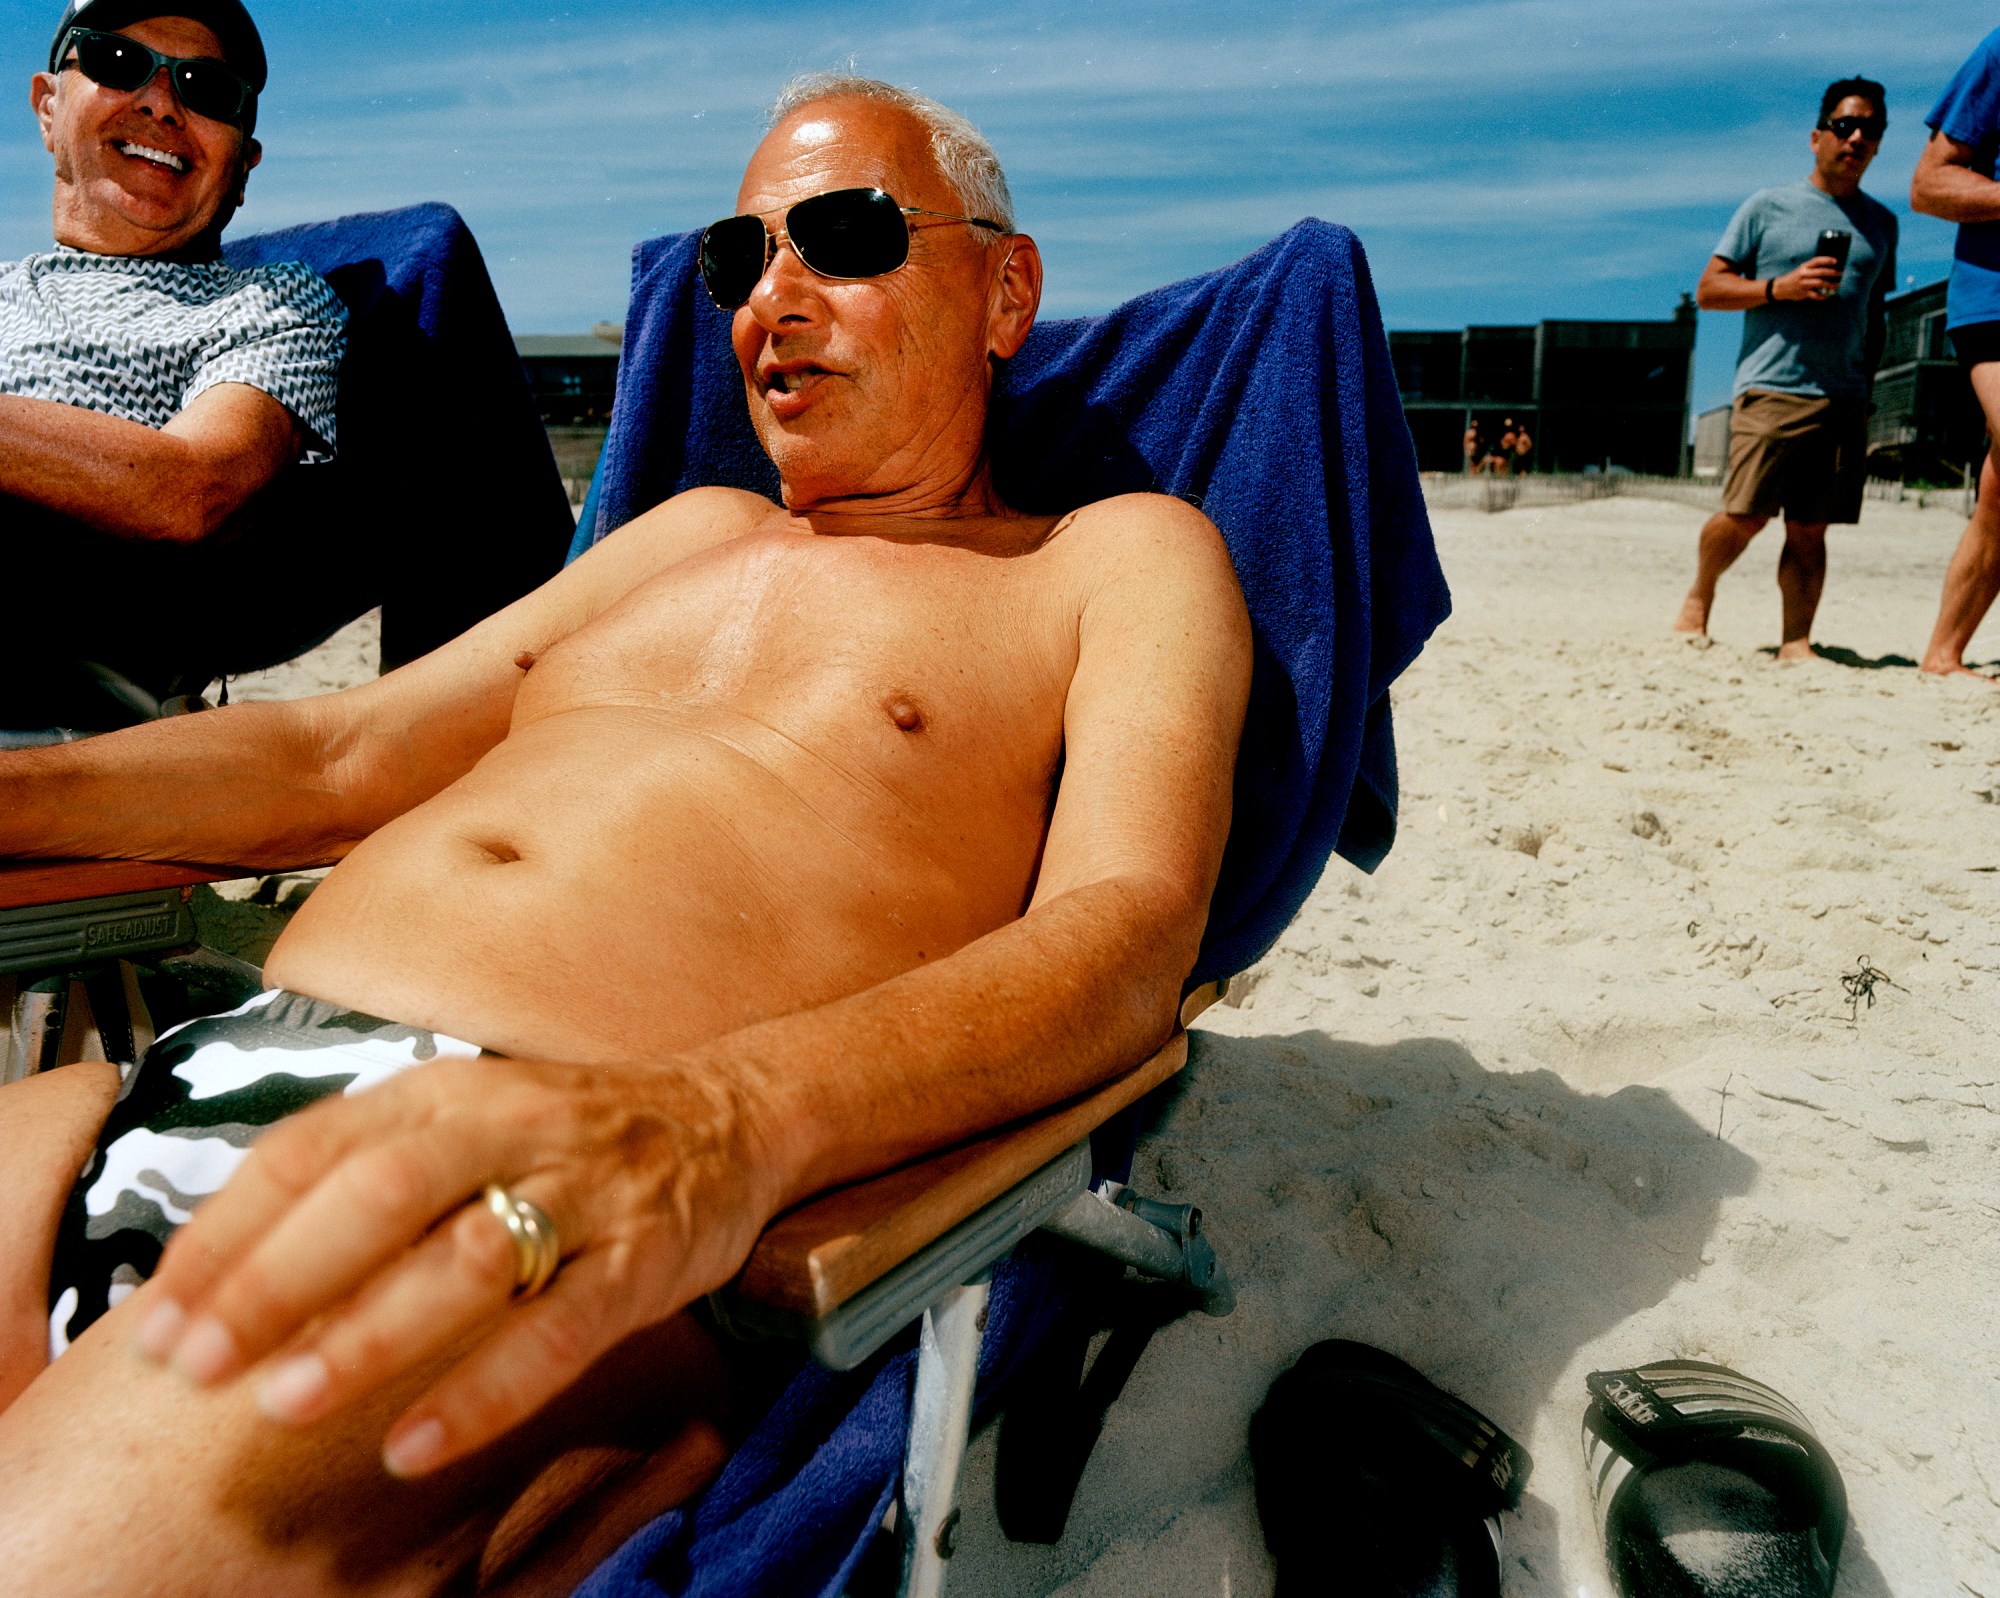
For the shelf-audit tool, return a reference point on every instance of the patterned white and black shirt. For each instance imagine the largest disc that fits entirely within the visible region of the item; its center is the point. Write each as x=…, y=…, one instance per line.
x=140, y=339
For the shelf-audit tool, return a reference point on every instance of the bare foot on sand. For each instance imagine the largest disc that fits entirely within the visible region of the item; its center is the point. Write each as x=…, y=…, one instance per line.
x=1693, y=617
x=1796, y=649
x=1956, y=668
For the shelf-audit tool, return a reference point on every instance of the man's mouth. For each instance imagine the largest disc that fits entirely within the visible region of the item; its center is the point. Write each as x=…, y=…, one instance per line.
x=146, y=152
x=792, y=379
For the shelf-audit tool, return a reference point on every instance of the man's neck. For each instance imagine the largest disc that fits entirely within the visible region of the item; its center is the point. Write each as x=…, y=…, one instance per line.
x=927, y=507
x=1836, y=187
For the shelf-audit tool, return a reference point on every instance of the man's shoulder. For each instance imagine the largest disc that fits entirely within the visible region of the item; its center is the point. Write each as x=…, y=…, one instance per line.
x=1153, y=544
x=1163, y=523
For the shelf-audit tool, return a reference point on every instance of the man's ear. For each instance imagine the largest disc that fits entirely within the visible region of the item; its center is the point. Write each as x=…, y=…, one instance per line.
x=1016, y=296
x=42, y=96
x=253, y=152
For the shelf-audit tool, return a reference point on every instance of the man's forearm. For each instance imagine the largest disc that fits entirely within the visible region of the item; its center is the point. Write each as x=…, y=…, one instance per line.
x=245, y=785
x=1729, y=291
x=119, y=476
x=1034, y=1013
x=1950, y=191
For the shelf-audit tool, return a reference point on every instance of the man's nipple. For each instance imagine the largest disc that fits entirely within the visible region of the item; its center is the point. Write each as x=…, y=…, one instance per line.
x=903, y=712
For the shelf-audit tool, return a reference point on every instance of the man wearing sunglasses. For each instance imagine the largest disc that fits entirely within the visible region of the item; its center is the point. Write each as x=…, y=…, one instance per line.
x=765, y=847
x=148, y=391
x=1954, y=180
x=1812, y=336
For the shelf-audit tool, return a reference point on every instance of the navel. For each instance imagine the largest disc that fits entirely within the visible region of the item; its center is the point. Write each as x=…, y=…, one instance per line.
x=525, y=660
x=903, y=712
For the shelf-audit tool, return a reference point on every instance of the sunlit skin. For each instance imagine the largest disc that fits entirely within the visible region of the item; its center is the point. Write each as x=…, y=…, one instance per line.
x=1838, y=167
x=891, y=432
x=113, y=203
x=767, y=847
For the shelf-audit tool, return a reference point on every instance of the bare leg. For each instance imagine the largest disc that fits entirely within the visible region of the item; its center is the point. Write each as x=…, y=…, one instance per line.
x=1973, y=578
x=1723, y=538
x=1801, y=577
x=116, y=1477
x=48, y=1124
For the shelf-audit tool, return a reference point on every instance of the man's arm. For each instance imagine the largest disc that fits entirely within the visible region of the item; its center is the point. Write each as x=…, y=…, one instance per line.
x=659, y=1178
x=176, y=484
x=277, y=786
x=1723, y=287
x=1946, y=185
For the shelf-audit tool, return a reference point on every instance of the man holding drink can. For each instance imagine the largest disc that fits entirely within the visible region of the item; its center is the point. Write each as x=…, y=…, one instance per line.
x=1809, y=264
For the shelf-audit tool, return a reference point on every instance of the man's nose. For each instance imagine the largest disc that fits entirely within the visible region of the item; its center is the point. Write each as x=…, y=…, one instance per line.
x=156, y=97
x=788, y=291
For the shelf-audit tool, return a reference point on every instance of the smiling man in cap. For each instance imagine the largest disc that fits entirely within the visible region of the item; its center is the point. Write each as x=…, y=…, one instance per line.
x=148, y=390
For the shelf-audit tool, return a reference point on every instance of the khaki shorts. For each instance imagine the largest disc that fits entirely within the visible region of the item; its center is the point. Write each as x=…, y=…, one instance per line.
x=1801, y=455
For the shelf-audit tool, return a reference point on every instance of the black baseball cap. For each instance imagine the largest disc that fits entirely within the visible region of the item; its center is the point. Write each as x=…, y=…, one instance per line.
x=226, y=19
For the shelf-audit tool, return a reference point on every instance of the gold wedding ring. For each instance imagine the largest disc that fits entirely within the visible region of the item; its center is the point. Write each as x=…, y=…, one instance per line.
x=537, y=1249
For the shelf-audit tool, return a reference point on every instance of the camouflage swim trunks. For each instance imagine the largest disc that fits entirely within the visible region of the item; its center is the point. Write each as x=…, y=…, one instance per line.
x=185, y=1119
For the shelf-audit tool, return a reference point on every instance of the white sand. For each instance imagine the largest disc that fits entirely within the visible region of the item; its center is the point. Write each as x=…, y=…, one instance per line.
x=1468, y=1109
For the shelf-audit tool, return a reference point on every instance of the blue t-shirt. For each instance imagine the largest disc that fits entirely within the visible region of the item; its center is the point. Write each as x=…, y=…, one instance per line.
x=1969, y=111
x=1809, y=346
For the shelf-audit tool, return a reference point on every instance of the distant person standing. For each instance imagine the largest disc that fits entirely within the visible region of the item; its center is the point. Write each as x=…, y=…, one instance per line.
x=1475, y=448
x=1954, y=180
x=1524, y=446
x=1810, y=264
x=1503, y=456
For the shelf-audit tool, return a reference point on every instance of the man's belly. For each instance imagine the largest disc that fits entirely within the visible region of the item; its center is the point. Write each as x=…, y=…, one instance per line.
x=607, y=885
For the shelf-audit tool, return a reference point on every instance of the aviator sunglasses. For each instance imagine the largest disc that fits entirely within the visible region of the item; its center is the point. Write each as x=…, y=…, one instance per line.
x=1844, y=128
x=844, y=234
x=207, y=87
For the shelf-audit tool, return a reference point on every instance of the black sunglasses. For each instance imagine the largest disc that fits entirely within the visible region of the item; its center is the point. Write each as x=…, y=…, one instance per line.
x=207, y=87
x=1844, y=128
x=842, y=234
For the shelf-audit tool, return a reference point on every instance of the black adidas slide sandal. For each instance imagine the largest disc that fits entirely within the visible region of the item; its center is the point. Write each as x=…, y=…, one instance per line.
x=1710, y=1485
x=1373, y=1482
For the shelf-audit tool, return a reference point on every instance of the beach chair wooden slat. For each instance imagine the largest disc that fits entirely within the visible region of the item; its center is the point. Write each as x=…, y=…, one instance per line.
x=25, y=884
x=814, y=1258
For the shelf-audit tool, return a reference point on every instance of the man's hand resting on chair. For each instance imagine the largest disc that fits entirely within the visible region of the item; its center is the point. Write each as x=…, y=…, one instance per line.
x=811, y=839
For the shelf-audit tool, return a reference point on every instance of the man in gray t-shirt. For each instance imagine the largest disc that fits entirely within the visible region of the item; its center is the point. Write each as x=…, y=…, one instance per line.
x=1809, y=264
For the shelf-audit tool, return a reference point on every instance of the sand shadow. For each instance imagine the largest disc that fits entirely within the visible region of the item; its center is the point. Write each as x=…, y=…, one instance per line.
x=1840, y=656
x=1481, y=1224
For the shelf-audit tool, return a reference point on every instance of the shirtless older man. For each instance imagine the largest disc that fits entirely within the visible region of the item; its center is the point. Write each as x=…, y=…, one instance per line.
x=807, y=839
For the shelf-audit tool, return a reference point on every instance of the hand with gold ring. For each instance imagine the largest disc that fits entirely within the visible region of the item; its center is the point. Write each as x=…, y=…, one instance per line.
x=537, y=1251
x=520, y=1218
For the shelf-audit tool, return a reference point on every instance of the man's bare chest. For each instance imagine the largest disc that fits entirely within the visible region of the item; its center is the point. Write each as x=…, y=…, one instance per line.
x=855, y=650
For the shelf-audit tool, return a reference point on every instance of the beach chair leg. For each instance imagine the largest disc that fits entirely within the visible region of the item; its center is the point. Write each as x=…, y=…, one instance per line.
x=36, y=1026
x=940, y=1420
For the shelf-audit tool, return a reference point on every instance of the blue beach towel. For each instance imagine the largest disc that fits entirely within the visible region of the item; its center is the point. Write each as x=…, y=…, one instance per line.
x=437, y=423
x=1264, y=393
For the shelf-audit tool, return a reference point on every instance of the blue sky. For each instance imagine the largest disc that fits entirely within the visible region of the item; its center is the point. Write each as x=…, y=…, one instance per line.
x=1503, y=162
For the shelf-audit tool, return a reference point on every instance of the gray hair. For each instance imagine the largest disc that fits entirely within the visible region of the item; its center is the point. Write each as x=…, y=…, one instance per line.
x=960, y=150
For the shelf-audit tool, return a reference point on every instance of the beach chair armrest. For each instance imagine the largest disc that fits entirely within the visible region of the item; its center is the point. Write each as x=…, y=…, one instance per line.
x=814, y=1258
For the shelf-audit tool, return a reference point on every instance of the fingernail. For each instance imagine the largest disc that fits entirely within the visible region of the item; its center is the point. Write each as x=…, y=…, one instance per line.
x=159, y=1329
x=206, y=1351
x=294, y=1390
x=413, y=1451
